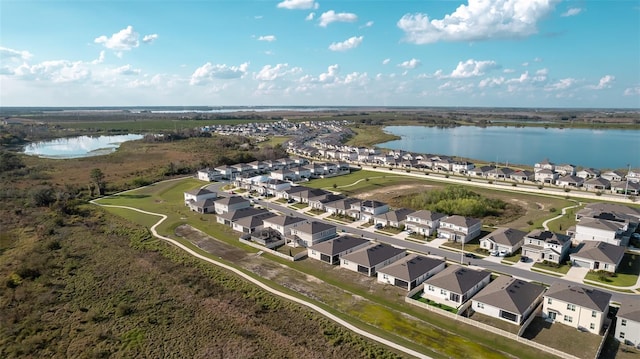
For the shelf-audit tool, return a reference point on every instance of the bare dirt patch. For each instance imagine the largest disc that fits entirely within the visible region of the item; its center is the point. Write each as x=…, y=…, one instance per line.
x=388, y=193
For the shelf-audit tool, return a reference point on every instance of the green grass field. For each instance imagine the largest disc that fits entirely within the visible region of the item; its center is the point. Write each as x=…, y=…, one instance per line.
x=626, y=275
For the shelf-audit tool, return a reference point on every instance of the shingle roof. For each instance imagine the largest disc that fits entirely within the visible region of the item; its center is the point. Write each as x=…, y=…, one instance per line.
x=342, y=203
x=548, y=236
x=458, y=279
x=199, y=192
x=411, y=267
x=629, y=309
x=314, y=227
x=284, y=220
x=428, y=215
x=254, y=221
x=231, y=200
x=600, y=251
x=506, y=236
x=511, y=294
x=372, y=204
x=397, y=215
x=338, y=245
x=373, y=255
x=241, y=213
x=461, y=221
x=588, y=298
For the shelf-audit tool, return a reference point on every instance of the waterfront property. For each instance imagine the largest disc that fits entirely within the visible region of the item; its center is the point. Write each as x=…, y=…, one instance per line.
x=576, y=306
x=410, y=271
x=508, y=299
x=455, y=285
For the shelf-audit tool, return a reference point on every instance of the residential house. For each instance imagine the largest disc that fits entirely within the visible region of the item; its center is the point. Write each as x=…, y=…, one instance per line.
x=628, y=187
x=576, y=306
x=301, y=172
x=612, y=176
x=482, y=171
x=503, y=240
x=330, y=251
x=283, y=224
x=501, y=173
x=319, y=202
x=273, y=186
x=570, y=181
x=232, y=203
x=367, y=209
x=566, y=170
x=587, y=173
x=410, y=271
x=455, y=285
x=546, y=176
x=462, y=167
x=228, y=218
x=424, y=222
x=544, y=165
x=628, y=323
x=257, y=166
x=508, y=299
x=251, y=224
x=602, y=230
x=309, y=233
x=597, y=255
x=227, y=172
x=198, y=194
x=395, y=218
x=340, y=207
x=202, y=206
x=370, y=259
x=633, y=175
x=541, y=245
x=283, y=174
x=597, y=184
x=459, y=229
x=209, y=175
x=523, y=175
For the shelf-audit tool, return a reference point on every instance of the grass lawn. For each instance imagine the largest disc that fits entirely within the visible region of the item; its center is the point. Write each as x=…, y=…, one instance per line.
x=369, y=135
x=495, y=322
x=390, y=230
x=341, y=219
x=300, y=205
x=561, y=224
x=563, y=337
x=562, y=269
x=471, y=246
x=357, y=181
x=274, y=141
x=512, y=259
x=626, y=276
x=419, y=298
x=281, y=200
x=315, y=212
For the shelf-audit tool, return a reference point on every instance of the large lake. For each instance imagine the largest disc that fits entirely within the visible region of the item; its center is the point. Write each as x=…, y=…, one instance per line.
x=75, y=147
x=523, y=145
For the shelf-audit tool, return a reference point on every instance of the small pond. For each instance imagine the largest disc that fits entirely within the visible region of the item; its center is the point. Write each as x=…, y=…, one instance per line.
x=81, y=146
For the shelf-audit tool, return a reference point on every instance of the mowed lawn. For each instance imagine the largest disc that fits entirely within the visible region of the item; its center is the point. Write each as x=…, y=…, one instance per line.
x=627, y=274
x=361, y=180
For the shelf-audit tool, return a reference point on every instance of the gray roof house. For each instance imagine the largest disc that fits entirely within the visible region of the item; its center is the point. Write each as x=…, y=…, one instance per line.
x=232, y=203
x=459, y=229
x=597, y=255
x=424, y=222
x=582, y=308
x=340, y=206
x=283, y=224
x=251, y=223
x=331, y=250
x=202, y=206
x=197, y=195
x=508, y=299
x=370, y=259
x=597, y=184
x=507, y=240
x=548, y=246
x=229, y=217
x=310, y=233
x=393, y=218
x=455, y=285
x=410, y=271
x=570, y=181
x=628, y=323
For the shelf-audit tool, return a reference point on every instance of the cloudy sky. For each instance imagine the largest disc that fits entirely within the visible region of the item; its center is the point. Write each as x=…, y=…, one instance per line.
x=506, y=53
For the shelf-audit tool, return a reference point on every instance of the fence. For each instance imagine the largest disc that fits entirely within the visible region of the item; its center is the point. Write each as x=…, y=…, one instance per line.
x=486, y=327
x=275, y=253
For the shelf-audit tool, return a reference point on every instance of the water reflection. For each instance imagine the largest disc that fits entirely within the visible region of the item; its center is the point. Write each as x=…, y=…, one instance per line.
x=75, y=147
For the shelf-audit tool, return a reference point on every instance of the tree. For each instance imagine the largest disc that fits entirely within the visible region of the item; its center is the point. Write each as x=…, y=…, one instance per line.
x=9, y=161
x=97, y=177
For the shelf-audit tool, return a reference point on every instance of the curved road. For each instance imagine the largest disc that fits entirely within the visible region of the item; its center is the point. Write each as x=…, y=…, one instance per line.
x=272, y=290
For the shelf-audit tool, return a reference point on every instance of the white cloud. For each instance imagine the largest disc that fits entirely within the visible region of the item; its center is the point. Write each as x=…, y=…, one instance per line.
x=410, y=64
x=310, y=16
x=368, y=24
x=298, y=4
x=331, y=16
x=267, y=38
x=124, y=40
x=208, y=72
x=572, y=12
x=386, y=61
x=331, y=75
x=562, y=84
x=491, y=82
x=147, y=39
x=477, y=21
x=473, y=68
x=271, y=73
x=632, y=91
x=100, y=58
x=127, y=70
x=6, y=53
x=604, y=83
x=508, y=71
x=348, y=44
x=56, y=71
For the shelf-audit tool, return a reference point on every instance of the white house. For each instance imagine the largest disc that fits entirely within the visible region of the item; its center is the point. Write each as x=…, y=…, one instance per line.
x=548, y=246
x=283, y=224
x=612, y=176
x=198, y=194
x=545, y=176
x=341, y=206
x=508, y=299
x=587, y=173
x=330, y=251
x=310, y=233
x=423, y=222
x=570, y=181
x=367, y=209
x=455, y=285
x=628, y=323
x=566, y=169
x=410, y=271
x=597, y=184
x=232, y=203
x=597, y=255
x=504, y=240
x=394, y=218
x=594, y=229
x=544, y=165
x=208, y=175
x=370, y=259
x=576, y=306
x=459, y=229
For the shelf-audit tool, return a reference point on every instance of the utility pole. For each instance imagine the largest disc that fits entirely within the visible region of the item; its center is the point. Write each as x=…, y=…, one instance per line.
x=626, y=188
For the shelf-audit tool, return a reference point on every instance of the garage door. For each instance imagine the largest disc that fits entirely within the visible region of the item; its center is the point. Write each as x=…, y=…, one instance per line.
x=581, y=264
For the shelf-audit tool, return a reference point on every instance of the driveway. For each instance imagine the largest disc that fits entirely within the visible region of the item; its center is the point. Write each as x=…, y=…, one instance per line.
x=576, y=274
x=436, y=242
x=524, y=265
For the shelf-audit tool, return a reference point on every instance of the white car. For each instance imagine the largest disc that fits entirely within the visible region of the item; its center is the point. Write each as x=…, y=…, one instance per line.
x=494, y=253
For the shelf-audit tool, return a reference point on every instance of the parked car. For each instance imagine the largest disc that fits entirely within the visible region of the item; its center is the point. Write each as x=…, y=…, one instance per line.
x=524, y=259
x=494, y=253
x=469, y=255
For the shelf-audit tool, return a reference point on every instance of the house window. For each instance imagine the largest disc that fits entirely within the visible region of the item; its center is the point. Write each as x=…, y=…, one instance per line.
x=568, y=318
x=431, y=288
x=443, y=292
x=592, y=326
x=345, y=262
x=571, y=307
x=623, y=323
x=549, y=300
x=384, y=276
x=594, y=314
x=621, y=335
x=480, y=305
x=313, y=252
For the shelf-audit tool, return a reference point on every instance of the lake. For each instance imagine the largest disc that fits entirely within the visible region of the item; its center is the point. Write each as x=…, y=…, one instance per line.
x=81, y=146
x=523, y=145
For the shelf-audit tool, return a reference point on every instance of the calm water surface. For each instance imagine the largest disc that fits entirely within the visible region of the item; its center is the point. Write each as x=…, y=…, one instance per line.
x=82, y=146
x=523, y=145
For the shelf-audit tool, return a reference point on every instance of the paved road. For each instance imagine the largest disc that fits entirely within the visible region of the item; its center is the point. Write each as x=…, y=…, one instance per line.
x=274, y=291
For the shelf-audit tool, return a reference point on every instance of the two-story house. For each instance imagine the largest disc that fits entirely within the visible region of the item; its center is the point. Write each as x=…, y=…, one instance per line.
x=310, y=233
x=455, y=285
x=228, y=204
x=541, y=245
x=508, y=299
x=394, y=218
x=198, y=194
x=459, y=229
x=628, y=323
x=283, y=224
x=367, y=209
x=424, y=222
x=576, y=306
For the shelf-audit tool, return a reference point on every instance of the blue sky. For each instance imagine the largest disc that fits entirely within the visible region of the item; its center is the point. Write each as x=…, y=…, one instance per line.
x=500, y=53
